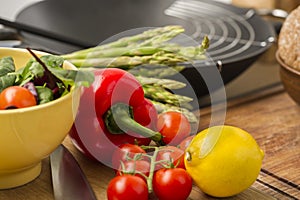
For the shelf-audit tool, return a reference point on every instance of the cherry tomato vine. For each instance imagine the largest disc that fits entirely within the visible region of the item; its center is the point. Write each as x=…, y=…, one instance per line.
x=156, y=177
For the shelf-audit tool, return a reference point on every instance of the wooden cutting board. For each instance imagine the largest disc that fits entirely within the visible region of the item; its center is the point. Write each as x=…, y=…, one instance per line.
x=99, y=177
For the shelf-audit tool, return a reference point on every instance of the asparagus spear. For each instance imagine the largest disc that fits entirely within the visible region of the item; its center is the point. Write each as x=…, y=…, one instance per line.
x=160, y=94
x=165, y=83
x=191, y=52
x=159, y=58
x=161, y=38
x=115, y=52
x=132, y=39
x=158, y=71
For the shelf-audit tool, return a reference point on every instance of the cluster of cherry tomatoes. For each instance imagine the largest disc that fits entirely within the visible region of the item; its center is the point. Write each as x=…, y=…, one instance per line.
x=142, y=171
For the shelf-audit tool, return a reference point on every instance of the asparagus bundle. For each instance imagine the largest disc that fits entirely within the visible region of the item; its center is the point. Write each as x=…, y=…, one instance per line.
x=148, y=47
x=150, y=56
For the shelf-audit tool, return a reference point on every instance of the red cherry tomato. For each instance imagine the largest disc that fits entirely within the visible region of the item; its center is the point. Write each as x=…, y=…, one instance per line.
x=173, y=183
x=127, y=187
x=16, y=97
x=186, y=142
x=135, y=167
x=171, y=153
x=174, y=127
x=124, y=152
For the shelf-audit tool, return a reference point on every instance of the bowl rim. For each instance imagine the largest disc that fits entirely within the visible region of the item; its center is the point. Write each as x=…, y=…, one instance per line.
x=40, y=106
x=284, y=65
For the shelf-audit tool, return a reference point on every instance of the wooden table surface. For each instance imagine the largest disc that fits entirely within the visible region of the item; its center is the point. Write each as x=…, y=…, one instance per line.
x=270, y=116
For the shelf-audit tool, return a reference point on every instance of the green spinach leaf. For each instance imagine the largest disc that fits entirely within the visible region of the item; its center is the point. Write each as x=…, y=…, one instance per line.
x=44, y=94
x=53, y=61
x=67, y=77
x=7, y=67
x=28, y=73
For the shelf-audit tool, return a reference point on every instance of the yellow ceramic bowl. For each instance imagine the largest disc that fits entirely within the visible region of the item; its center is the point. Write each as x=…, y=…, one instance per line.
x=28, y=135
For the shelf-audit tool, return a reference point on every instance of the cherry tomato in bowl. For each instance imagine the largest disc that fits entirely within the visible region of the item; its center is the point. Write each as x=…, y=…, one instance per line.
x=16, y=97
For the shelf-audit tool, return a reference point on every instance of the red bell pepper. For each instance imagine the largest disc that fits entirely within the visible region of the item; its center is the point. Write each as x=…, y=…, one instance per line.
x=113, y=111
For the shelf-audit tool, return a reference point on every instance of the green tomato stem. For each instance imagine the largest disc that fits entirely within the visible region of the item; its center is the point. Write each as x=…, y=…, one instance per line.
x=154, y=162
x=152, y=169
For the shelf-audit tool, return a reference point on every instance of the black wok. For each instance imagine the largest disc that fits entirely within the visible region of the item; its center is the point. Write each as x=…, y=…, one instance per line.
x=238, y=36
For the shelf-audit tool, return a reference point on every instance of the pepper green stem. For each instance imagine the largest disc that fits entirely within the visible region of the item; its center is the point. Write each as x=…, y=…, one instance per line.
x=119, y=120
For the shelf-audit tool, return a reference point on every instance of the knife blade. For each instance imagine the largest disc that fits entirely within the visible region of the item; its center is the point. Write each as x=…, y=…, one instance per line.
x=68, y=179
x=10, y=43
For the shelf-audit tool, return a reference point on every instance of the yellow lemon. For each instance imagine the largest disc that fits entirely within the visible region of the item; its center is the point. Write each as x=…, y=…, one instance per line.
x=223, y=160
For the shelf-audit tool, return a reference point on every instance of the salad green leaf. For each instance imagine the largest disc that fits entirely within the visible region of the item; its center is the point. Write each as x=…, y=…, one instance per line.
x=7, y=66
x=46, y=73
x=44, y=94
x=67, y=77
x=53, y=74
x=31, y=70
